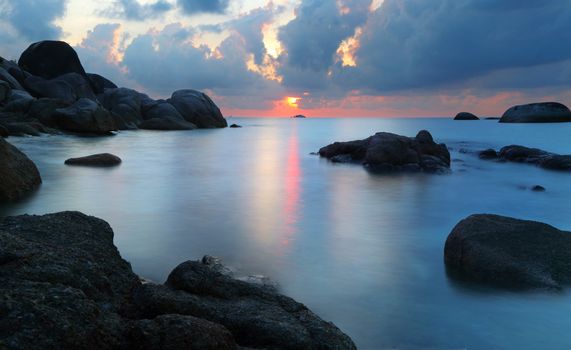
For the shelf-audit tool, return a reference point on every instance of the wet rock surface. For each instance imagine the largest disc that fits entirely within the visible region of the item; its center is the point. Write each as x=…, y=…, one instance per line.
x=64, y=285
x=390, y=152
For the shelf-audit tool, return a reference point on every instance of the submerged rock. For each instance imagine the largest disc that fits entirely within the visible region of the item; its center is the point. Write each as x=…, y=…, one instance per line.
x=389, y=152
x=521, y=154
x=544, y=112
x=18, y=174
x=466, y=116
x=509, y=252
x=63, y=285
x=100, y=160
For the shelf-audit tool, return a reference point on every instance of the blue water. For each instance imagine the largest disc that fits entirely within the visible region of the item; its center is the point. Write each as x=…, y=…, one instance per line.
x=364, y=251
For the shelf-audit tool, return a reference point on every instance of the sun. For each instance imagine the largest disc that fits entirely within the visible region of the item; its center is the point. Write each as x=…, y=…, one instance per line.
x=292, y=101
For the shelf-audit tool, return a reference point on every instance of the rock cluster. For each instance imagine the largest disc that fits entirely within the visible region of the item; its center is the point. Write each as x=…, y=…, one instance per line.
x=390, y=152
x=521, y=154
x=49, y=91
x=63, y=285
x=509, y=252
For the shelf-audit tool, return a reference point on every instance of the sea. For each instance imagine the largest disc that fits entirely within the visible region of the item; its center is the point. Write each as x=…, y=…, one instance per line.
x=362, y=250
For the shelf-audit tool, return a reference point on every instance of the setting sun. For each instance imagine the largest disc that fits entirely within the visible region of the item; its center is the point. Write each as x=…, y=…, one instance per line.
x=292, y=101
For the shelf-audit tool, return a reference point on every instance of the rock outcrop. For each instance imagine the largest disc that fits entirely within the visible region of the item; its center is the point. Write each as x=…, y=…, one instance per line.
x=544, y=112
x=509, y=252
x=97, y=160
x=197, y=108
x=18, y=174
x=64, y=285
x=466, y=116
x=390, y=152
x=521, y=154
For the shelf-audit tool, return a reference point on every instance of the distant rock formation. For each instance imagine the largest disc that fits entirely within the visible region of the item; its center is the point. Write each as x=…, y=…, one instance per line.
x=18, y=174
x=299, y=116
x=390, y=152
x=50, y=87
x=521, y=154
x=509, y=252
x=466, y=116
x=63, y=285
x=544, y=112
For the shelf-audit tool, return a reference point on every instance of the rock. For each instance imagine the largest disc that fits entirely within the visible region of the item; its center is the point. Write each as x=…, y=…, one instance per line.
x=19, y=101
x=125, y=105
x=63, y=285
x=3, y=131
x=159, y=109
x=299, y=116
x=166, y=123
x=5, y=91
x=7, y=77
x=100, y=83
x=235, y=126
x=509, y=252
x=85, y=116
x=51, y=59
x=538, y=188
x=18, y=174
x=198, y=109
x=68, y=88
x=492, y=118
x=465, y=116
x=488, y=154
x=541, y=158
x=256, y=315
x=544, y=112
x=24, y=128
x=43, y=109
x=99, y=160
x=389, y=152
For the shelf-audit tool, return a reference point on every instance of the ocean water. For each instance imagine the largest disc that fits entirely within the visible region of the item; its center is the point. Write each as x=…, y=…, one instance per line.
x=362, y=250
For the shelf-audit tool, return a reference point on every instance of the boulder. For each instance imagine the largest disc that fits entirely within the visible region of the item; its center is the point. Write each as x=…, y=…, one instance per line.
x=85, y=116
x=5, y=91
x=43, y=109
x=7, y=77
x=50, y=59
x=390, y=152
x=466, y=116
x=166, y=123
x=100, y=83
x=521, y=154
x=3, y=131
x=198, y=109
x=63, y=285
x=509, y=252
x=488, y=154
x=18, y=174
x=19, y=101
x=544, y=112
x=68, y=88
x=124, y=104
x=99, y=160
x=235, y=126
x=538, y=188
x=159, y=109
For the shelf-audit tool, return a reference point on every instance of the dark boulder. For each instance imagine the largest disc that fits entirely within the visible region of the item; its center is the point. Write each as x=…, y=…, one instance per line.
x=85, y=116
x=488, y=154
x=50, y=59
x=509, y=252
x=98, y=160
x=541, y=158
x=235, y=126
x=68, y=88
x=43, y=109
x=166, y=123
x=466, y=116
x=197, y=108
x=3, y=131
x=19, y=101
x=125, y=106
x=538, y=188
x=390, y=152
x=18, y=174
x=8, y=78
x=100, y=83
x=5, y=91
x=544, y=112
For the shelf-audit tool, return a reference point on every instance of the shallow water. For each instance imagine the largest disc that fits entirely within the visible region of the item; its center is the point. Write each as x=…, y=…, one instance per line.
x=364, y=251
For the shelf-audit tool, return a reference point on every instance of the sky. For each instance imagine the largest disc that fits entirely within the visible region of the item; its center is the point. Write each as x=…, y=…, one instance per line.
x=337, y=58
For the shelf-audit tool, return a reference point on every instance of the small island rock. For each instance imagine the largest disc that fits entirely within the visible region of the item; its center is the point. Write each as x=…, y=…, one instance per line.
x=98, y=160
x=466, y=116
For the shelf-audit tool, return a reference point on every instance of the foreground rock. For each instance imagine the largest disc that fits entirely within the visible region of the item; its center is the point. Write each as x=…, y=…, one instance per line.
x=544, y=112
x=466, y=116
x=64, y=285
x=390, y=152
x=509, y=252
x=100, y=160
x=521, y=154
x=18, y=174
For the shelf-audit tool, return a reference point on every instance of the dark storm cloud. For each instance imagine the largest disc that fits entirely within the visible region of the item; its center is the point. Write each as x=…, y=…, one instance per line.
x=133, y=10
x=428, y=44
x=33, y=19
x=191, y=7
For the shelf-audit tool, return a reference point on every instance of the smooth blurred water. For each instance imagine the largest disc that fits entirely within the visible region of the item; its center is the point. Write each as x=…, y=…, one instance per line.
x=364, y=251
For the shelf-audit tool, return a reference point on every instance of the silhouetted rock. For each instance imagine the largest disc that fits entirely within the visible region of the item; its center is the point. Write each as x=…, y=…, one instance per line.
x=43, y=109
x=5, y=91
x=100, y=83
x=125, y=106
x=300, y=116
x=196, y=107
x=541, y=158
x=3, y=131
x=19, y=101
x=509, y=252
x=389, y=152
x=8, y=78
x=63, y=285
x=538, y=188
x=18, y=174
x=488, y=154
x=166, y=123
x=85, y=116
x=67, y=88
x=100, y=160
x=50, y=59
x=235, y=126
x=466, y=116
x=544, y=112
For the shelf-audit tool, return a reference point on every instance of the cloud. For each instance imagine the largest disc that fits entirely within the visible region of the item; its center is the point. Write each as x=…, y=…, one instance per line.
x=191, y=7
x=33, y=19
x=133, y=10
